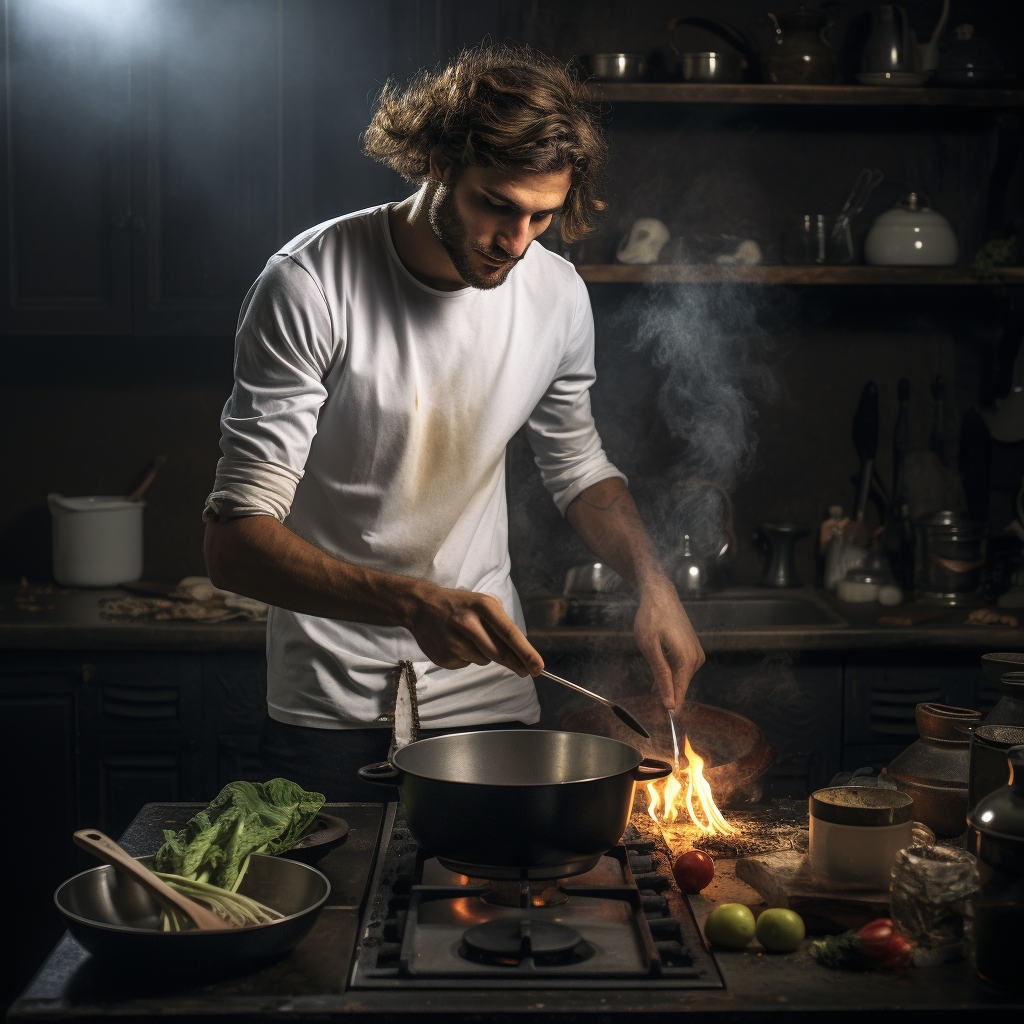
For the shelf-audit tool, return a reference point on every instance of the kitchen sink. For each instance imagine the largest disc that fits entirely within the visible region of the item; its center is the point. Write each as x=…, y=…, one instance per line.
x=758, y=612
x=747, y=608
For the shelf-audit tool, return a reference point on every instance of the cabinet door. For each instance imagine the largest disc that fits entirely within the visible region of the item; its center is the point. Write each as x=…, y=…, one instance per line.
x=235, y=706
x=210, y=162
x=119, y=773
x=65, y=261
x=37, y=759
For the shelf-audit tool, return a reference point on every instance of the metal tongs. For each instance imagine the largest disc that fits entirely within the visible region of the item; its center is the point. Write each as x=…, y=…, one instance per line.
x=675, y=738
x=620, y=712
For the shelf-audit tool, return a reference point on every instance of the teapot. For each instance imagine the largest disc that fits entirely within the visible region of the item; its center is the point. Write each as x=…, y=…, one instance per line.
x=800, y=55
x=911, y=235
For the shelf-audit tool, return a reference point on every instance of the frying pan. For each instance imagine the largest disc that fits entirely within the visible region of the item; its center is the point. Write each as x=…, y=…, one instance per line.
x=118, y=921
x=734, y=749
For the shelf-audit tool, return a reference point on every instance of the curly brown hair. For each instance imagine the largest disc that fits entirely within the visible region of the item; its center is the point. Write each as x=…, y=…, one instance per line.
x=497, y=106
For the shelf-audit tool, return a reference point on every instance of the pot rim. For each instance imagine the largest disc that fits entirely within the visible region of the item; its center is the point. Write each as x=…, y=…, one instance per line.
x=515, y=785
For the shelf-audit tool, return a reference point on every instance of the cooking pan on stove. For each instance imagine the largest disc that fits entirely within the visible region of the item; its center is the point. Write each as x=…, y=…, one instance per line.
x=734, y=749
x=517, y=803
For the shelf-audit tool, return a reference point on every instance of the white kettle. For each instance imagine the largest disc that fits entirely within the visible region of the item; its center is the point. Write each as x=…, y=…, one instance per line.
x=911, y=235
x=97, y=541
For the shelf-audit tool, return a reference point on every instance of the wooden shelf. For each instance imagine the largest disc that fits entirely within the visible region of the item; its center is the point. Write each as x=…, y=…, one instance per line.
x=713, y=274
x=805, y=95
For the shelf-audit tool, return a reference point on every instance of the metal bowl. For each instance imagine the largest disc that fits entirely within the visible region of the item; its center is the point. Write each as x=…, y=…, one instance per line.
x=115, y=919
x=718, y=66
x=618, y=67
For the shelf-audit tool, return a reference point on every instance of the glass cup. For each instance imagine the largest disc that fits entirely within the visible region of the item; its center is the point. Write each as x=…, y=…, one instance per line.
x=820, y=238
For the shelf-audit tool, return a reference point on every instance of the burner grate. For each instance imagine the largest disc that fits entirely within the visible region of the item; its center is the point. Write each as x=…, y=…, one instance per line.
x=423, y=924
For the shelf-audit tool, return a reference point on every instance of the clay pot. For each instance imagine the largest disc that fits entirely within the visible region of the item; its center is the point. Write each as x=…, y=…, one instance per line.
x=936, y=769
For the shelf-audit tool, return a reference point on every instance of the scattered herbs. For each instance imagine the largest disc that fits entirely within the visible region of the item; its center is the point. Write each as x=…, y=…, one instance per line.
x=877, y=946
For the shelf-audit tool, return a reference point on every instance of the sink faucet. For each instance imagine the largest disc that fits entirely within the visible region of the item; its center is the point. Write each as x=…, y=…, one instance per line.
x=691, y=573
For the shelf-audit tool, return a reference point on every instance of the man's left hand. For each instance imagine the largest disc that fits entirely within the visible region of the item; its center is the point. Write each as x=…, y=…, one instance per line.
x=667, y=640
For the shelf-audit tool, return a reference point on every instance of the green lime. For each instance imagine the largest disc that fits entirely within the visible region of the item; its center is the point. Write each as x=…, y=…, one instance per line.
x=780, y=930
x=731, y=924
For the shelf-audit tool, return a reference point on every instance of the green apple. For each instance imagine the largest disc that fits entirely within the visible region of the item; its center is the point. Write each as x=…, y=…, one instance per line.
x=780, y=930
x=731, y=924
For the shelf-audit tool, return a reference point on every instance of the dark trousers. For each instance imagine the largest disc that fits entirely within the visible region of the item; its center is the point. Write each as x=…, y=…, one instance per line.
x=326, y=760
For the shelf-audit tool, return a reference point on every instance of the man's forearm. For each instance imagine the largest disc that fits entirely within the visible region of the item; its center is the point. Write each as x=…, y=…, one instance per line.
x=261, y=558
x=606, y=519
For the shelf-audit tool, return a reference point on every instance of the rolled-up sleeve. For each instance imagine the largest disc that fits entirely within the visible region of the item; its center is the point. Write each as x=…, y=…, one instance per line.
x=284, y=346
x=561, y=430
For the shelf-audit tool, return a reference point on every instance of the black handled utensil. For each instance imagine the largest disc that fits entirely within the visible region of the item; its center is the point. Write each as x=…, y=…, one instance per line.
x=865, y=440
x=620, y=712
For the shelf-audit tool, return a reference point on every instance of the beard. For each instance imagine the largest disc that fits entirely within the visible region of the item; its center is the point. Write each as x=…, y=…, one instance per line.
x=451, y=232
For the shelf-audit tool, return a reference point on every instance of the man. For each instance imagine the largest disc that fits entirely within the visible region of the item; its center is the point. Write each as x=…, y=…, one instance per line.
x=383, y=362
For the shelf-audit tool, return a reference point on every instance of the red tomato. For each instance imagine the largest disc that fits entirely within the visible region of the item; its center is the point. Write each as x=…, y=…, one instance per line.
x=693, y=870
x=884, y=946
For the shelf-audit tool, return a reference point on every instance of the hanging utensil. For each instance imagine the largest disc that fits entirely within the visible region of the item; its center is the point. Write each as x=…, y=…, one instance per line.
x=621, y=713
x=864, y=184
x=137, y=494
x=865, y=440
x=103, y=847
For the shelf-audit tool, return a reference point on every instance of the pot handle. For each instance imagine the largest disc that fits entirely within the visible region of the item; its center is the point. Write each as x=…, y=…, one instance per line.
x=383, y=774
x=651, y=768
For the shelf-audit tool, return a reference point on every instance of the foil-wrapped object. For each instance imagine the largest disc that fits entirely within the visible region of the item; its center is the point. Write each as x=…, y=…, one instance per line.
x=929, y=885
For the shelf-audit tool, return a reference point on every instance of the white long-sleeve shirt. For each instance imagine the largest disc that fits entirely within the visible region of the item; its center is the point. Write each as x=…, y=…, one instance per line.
x=387, y=405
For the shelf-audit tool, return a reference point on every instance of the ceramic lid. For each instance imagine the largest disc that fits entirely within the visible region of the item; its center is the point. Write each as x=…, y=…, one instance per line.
x=1001, y=813
x=911, y=213
x=861, y=805
x=92, y=503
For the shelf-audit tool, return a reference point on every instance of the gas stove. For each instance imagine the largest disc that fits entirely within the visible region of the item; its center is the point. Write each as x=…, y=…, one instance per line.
x=612, y=927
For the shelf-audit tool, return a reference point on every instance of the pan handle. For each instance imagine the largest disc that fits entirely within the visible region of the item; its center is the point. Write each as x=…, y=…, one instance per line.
x=383, y=774
x=651, y=768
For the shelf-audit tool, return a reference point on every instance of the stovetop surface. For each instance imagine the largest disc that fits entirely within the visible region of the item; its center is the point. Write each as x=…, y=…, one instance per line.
x=426, y=926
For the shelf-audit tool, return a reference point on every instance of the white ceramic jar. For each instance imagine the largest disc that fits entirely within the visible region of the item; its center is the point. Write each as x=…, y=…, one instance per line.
x=97, y=541
x=856, y=832
x=911, y=235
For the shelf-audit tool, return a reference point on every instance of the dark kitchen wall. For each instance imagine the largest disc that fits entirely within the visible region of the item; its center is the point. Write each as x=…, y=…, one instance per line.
x=87, y=408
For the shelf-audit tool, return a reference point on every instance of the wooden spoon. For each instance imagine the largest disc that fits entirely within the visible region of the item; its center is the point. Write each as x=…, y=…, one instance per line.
x=107, y=850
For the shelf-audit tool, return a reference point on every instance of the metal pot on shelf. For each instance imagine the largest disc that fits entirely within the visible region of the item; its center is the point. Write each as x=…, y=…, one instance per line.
x=516, y=804
x=949, y=558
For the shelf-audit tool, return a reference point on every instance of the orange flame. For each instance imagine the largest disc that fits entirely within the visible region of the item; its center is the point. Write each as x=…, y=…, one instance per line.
x=667, y=797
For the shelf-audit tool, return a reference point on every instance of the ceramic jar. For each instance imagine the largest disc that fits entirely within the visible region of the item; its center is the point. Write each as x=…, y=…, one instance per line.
x=799, y=55
x=856, y=832
x=935, y=770
x=1010, y=708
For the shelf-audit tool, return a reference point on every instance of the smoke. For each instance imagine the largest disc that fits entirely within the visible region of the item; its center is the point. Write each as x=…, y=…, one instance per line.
x=711, y=344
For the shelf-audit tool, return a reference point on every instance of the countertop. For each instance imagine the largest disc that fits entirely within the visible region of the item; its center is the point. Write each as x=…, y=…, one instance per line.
x=71, y=620
x=309, y=984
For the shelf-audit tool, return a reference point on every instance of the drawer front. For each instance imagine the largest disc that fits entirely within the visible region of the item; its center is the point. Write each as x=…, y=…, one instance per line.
x=141, y=693
x=879, y=701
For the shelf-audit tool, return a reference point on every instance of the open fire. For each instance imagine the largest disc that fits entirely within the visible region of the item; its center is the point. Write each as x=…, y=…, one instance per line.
x=687, y=788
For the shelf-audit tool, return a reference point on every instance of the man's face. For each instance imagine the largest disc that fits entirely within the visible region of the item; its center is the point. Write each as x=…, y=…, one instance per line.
x=485, y=218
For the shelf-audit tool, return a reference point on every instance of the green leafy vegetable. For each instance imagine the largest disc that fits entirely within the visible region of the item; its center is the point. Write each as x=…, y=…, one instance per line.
x=245, y=818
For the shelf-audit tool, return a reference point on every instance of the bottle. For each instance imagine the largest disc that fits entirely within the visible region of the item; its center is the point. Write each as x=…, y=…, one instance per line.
x=831, y=546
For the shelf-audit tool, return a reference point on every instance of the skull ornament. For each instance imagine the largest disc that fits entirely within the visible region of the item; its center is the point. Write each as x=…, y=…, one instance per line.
x=644, y=242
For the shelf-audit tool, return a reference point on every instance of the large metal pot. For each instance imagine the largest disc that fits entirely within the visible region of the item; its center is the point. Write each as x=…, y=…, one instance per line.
x=517, y=803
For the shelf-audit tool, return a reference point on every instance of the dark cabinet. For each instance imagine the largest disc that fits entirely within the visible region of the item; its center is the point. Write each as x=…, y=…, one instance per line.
x=64, y=171
x=152, y=163
x=37, y=737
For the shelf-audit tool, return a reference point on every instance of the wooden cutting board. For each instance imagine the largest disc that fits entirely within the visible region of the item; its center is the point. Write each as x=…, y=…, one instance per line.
x=784, y=879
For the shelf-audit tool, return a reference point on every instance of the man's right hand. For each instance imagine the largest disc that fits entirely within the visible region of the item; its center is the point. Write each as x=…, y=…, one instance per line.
x=456, y=628
x=259, y=557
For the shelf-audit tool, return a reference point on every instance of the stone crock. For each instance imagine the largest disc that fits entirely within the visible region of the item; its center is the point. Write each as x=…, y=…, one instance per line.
x=935, y=770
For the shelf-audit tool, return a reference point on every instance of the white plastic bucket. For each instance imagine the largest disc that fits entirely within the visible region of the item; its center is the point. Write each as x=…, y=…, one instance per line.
x=97, y=541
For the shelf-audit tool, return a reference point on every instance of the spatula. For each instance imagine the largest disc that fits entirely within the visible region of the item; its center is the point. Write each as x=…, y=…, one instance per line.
x=620, y=712
x=107, y=850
